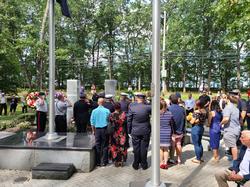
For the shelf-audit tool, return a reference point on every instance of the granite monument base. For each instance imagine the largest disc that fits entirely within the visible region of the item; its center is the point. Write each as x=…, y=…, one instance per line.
x=18, y=153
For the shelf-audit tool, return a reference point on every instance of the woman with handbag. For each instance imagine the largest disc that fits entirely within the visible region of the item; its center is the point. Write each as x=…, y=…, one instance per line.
x=118, y=146
x=197, y=120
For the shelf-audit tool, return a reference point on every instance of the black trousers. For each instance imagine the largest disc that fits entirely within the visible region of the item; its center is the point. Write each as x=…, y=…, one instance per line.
x=3, y=107
x=13, y=108
x=101, y=143
x=61, y=123
x=41, y=118
x=81, y=125
x=24, y=109
x=140, y=149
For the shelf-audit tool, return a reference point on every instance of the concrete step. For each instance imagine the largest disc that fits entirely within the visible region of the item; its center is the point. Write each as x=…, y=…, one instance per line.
x=56, y=171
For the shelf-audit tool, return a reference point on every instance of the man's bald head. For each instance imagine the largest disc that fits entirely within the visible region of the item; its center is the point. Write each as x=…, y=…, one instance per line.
x=101, y=101
x=245, y=138
x=246, y=133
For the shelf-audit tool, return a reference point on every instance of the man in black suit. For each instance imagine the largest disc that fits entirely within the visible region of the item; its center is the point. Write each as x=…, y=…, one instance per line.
x=139, y=127
x=81, y=113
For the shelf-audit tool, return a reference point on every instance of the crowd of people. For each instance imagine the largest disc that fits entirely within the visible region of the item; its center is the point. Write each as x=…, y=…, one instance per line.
x=113, y=123
x=12, y=104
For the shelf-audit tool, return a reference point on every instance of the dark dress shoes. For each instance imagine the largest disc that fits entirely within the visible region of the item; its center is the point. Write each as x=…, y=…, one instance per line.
x=136, y=167
x=144, y=166
x=104, y=164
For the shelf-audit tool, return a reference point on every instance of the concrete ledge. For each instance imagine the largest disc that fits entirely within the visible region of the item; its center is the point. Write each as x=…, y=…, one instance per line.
x=25, y=159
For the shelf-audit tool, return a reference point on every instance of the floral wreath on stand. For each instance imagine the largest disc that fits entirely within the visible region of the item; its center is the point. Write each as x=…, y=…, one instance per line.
x=31, y=99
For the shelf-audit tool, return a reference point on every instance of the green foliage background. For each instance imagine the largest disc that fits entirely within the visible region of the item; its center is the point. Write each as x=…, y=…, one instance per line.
x=207, y=41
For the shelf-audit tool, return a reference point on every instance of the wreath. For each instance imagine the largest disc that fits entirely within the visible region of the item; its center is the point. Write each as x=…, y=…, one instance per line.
x=31, y=99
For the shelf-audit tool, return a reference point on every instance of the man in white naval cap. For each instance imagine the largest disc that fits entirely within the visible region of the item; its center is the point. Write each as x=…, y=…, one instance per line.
x=139, y=127
x=41, y=112
x=124, y=102
x=109, y=103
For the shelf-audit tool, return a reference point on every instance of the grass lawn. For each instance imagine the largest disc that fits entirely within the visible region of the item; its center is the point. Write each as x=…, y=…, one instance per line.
x=12, y=120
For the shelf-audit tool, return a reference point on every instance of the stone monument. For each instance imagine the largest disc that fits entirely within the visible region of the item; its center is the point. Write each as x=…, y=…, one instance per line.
x=110, y=87
x=73, y=91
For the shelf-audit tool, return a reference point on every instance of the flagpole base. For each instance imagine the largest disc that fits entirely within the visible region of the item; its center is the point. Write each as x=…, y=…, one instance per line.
x=145, y=184
x=51, y=136
x=149, y=184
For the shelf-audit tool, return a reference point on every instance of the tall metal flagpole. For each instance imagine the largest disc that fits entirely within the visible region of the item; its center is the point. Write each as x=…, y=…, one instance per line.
x=51, y=134
x=155, y=89
x=163, y=73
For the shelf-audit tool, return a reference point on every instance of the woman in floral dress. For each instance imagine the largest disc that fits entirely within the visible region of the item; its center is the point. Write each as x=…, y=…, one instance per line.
x=118, y=146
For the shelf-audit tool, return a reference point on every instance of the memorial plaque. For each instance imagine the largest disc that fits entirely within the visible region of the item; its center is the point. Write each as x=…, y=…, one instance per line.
x=110, y=87
x=73, y=92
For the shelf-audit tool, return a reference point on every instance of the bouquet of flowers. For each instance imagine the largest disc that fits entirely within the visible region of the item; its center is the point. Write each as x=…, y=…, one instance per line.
x=31, y=99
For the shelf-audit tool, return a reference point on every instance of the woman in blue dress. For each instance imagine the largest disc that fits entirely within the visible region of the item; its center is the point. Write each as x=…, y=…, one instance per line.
x=214, y=119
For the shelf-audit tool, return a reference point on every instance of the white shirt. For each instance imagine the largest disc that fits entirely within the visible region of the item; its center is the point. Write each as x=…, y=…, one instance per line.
x=3, y=100
x=41, y=106
x=61, y=108
x=244, y=165
x=190, y=103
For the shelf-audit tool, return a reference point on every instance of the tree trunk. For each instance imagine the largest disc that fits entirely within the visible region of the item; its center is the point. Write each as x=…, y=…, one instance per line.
x=209, y=78
x=238, y=65
x=184, y=81
x=98, y=53
x=196, y=75
x=93, y=53
x=168, y=76
x=110, y=67
x=139, y=83
x=40, y=58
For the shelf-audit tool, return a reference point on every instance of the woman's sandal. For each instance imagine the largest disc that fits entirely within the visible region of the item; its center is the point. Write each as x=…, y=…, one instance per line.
x=116, y=164
x=164, y=166
x=196, y=161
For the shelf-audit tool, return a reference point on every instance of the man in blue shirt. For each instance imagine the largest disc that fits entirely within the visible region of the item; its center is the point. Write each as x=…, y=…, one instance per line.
x=178, y=127
x=99, y=122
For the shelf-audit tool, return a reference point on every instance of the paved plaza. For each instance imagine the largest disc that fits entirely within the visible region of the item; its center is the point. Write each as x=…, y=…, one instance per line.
x=185, y=175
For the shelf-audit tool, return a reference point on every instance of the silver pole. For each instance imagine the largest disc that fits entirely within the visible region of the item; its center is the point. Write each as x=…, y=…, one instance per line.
x=163, y=76
x=51, y=134
x=155, y=90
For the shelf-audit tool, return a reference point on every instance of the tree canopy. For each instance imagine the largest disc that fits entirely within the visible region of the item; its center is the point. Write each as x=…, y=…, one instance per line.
x=207, y=42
